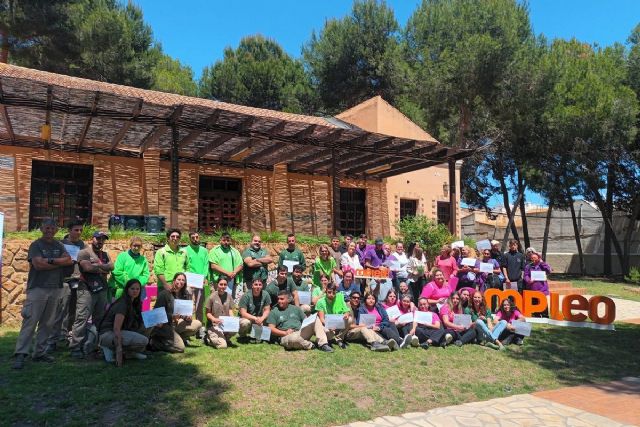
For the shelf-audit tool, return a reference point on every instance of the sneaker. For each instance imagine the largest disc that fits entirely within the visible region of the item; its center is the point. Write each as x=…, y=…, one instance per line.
x=425, y=345
x=109, y=355
x=201, y=332
x=377, y=346
x=342, y=345
x=448, y=338
x=458, y=343
x=415, y=342
x=392, y=344
x=406, y=341
x=492, y=345
x=44, y=358
x=501, y=347
x=326, y=348
x=19, y=362
x=519, y=341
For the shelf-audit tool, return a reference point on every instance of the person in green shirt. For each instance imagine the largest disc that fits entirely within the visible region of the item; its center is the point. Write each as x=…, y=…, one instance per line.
x=282, y=284
x=325, y=264
x=256, y=259
x=170, y=260
x=487, y=329
x=129, y=265
x=333, y=303
x=291, y=253
x=225, y=260
x=198, y=262
x=254, y=307
x=297, y=284
x=285, y=321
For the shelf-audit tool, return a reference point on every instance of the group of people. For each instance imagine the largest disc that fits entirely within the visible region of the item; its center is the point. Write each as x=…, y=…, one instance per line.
x=76, y=293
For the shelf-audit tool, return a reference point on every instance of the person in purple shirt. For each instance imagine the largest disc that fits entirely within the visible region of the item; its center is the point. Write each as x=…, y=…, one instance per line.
x=375, y=256
x=361, y=247
x=489, y=280
x=536, y=265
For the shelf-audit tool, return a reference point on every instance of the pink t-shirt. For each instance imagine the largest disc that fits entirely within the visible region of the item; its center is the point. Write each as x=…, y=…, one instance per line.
x=444, y=311
x=433, y=291
x=374, y=311
x=448, y=266
x=514, y=316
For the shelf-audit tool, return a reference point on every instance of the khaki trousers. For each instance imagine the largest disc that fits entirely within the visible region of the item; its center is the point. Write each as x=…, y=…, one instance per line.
x=65, y=315
x=218, y=338
x=363, y=334
x=38, y=311
x=300, y=340
x=131, y=341
x=88, y=305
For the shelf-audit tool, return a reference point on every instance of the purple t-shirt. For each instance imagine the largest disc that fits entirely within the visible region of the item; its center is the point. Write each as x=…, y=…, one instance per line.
x=374, y=258
x=362, y=252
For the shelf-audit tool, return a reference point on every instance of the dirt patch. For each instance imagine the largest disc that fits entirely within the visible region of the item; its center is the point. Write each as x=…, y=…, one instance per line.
x=365, y=402
x=113, y=413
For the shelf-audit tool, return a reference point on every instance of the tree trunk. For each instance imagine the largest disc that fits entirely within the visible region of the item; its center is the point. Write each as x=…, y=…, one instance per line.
x=511, y=219
x=608, y=231
x=547, y=225
x=626, y=266
x=523, y=212
x=576, y=233
x=4, y=45
x=507, y=208
x=607, y=221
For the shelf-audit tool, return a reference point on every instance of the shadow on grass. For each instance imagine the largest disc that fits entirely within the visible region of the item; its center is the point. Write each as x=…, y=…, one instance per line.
x=579, y=356
x=163, y=390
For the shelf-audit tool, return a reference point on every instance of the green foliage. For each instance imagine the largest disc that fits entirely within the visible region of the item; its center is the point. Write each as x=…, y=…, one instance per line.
x=634, y=276
x=260, y=74
x=169, y=75
x=431, y=235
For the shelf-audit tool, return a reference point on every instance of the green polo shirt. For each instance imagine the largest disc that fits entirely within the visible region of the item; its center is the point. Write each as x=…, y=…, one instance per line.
x=291, y=318
x=302, y=286
x=255, y=306
x=338, y=306
x=248, y=272
x=228, y=259
x=273, y=289
x=296, y=255
x=198, y=260
x=168, y=263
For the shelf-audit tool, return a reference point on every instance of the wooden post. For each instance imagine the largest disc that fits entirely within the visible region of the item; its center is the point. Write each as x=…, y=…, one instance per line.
x=452, y=196
x=175, y=176
x=335, y=191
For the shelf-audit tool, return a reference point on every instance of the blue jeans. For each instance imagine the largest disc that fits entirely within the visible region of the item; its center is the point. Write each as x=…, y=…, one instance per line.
x=486, y=334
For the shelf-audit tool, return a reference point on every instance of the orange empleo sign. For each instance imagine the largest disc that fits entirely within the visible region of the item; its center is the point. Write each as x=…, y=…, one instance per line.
x=382, y=273
x=531, y=302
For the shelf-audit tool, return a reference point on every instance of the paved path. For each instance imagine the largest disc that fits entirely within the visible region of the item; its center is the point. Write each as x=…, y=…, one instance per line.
x=612, y=404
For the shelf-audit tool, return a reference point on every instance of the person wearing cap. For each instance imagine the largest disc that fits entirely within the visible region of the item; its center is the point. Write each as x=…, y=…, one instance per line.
x=362, y=247
x=375, y=256
x=47, y=259
x=496, y=252
x=255, y=307
x=292, y=254
x=527, y=254
x=92, y=292
x=130, y=264
x=170, y=259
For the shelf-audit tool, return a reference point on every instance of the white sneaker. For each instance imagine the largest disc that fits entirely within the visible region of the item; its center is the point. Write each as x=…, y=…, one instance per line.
x=393, y=345
x=109, y=355
x=415, y=342
x=406, y=341
x=139, y=356
x=448, y=338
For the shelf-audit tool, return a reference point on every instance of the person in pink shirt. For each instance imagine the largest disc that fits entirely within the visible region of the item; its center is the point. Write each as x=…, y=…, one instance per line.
x=446, y=263
x=437, y=291
x=391, y=299
x=461, y=334
x=509, y=312
x=430, y=334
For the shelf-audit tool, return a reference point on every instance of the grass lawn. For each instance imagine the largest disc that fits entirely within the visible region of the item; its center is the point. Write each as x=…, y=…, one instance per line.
x=611, y=289
x=262, y=385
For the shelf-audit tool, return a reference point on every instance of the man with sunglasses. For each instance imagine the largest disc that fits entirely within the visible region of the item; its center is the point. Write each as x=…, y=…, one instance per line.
x=359, y=333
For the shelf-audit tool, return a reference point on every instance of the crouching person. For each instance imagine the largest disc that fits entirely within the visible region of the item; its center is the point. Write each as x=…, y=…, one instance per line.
x=122, y=330
x=254, y=307
x=285, y=321
x=356, y=332
x=172, y=337
x=218, y=304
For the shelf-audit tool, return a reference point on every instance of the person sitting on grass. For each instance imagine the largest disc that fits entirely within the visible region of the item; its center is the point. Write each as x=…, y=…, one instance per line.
x=318, y=292
x=404, y=290
x=357, y=332
x=405, y=306
x=218, y=304
x=285, y=321
x=173, y=336
x=462, y=335
x=280, y=284
x=437, y=291
x=332, y=303
x=297, y=284
x=465, y=297
x=391, y=299
x=254, y=307
x=382, y=325
x=122, y=331
x=487, y=331
x=509, y=312
x=429, y=334
x=348, y=285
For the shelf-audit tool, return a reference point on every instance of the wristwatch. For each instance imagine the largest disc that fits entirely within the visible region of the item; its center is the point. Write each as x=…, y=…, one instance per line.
x=50, y=261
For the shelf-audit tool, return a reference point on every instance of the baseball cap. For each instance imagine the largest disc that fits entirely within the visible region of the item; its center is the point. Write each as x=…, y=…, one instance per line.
x=100, y=234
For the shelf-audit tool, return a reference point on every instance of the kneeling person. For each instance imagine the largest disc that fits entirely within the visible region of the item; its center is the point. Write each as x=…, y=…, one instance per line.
x=254, y=307
x=219, y=304
x=285, y=321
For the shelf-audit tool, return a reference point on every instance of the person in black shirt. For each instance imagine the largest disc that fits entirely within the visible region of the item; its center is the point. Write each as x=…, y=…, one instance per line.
x=512, y=265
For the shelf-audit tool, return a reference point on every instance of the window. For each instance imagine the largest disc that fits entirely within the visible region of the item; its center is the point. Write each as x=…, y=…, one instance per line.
x=61, y=191
x=408, y=208
x=444, y=214
x=352, y=211
x=219, y=203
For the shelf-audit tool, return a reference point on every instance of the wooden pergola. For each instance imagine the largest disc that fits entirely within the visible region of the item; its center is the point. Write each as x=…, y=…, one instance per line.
x=52, y=111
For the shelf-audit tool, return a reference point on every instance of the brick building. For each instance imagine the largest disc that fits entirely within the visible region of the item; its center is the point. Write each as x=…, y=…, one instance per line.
x=75, y=147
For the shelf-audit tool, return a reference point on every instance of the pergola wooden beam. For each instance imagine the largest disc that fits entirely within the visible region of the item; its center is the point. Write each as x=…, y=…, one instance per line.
x=228, y=155
x=310, y=157
x=376, y=163
x=407, y=167
x=153, y=136
x=87, y=123
x=212, y=146
x=273, y=148
x=5, y=115
x=194, y=134
x=126, y=125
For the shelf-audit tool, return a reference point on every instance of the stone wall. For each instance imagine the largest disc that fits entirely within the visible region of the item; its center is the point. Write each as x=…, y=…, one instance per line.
x=15, y=268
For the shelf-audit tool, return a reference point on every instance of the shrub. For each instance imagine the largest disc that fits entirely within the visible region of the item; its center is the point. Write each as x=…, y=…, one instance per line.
x=428, y=233
x=634, y=276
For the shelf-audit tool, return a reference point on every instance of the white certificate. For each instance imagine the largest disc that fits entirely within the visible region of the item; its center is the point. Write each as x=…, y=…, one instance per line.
x=368, y=320
x=182, y=307
x=486, y=267
x=334, y=321
x=462, y=320
x=483, y=244
x=471, y=262
x=393, y=312
x=262, y=333
x=289, y=265
x=195, y=280
x=309, y=321
x=406, y=318
x=538, y=276
x=72, y=250
x=230, y=323
x=385, y=287
x=154, y=317
x=304, y=297
x=424, y=317
x=522, y=328
x=457, y=244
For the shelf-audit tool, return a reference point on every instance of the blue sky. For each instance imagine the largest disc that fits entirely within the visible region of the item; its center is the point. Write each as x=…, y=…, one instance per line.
x=197, y=31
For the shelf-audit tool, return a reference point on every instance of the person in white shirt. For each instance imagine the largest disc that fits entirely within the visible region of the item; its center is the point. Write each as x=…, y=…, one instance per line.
x=400, y=272
x=350, y=260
